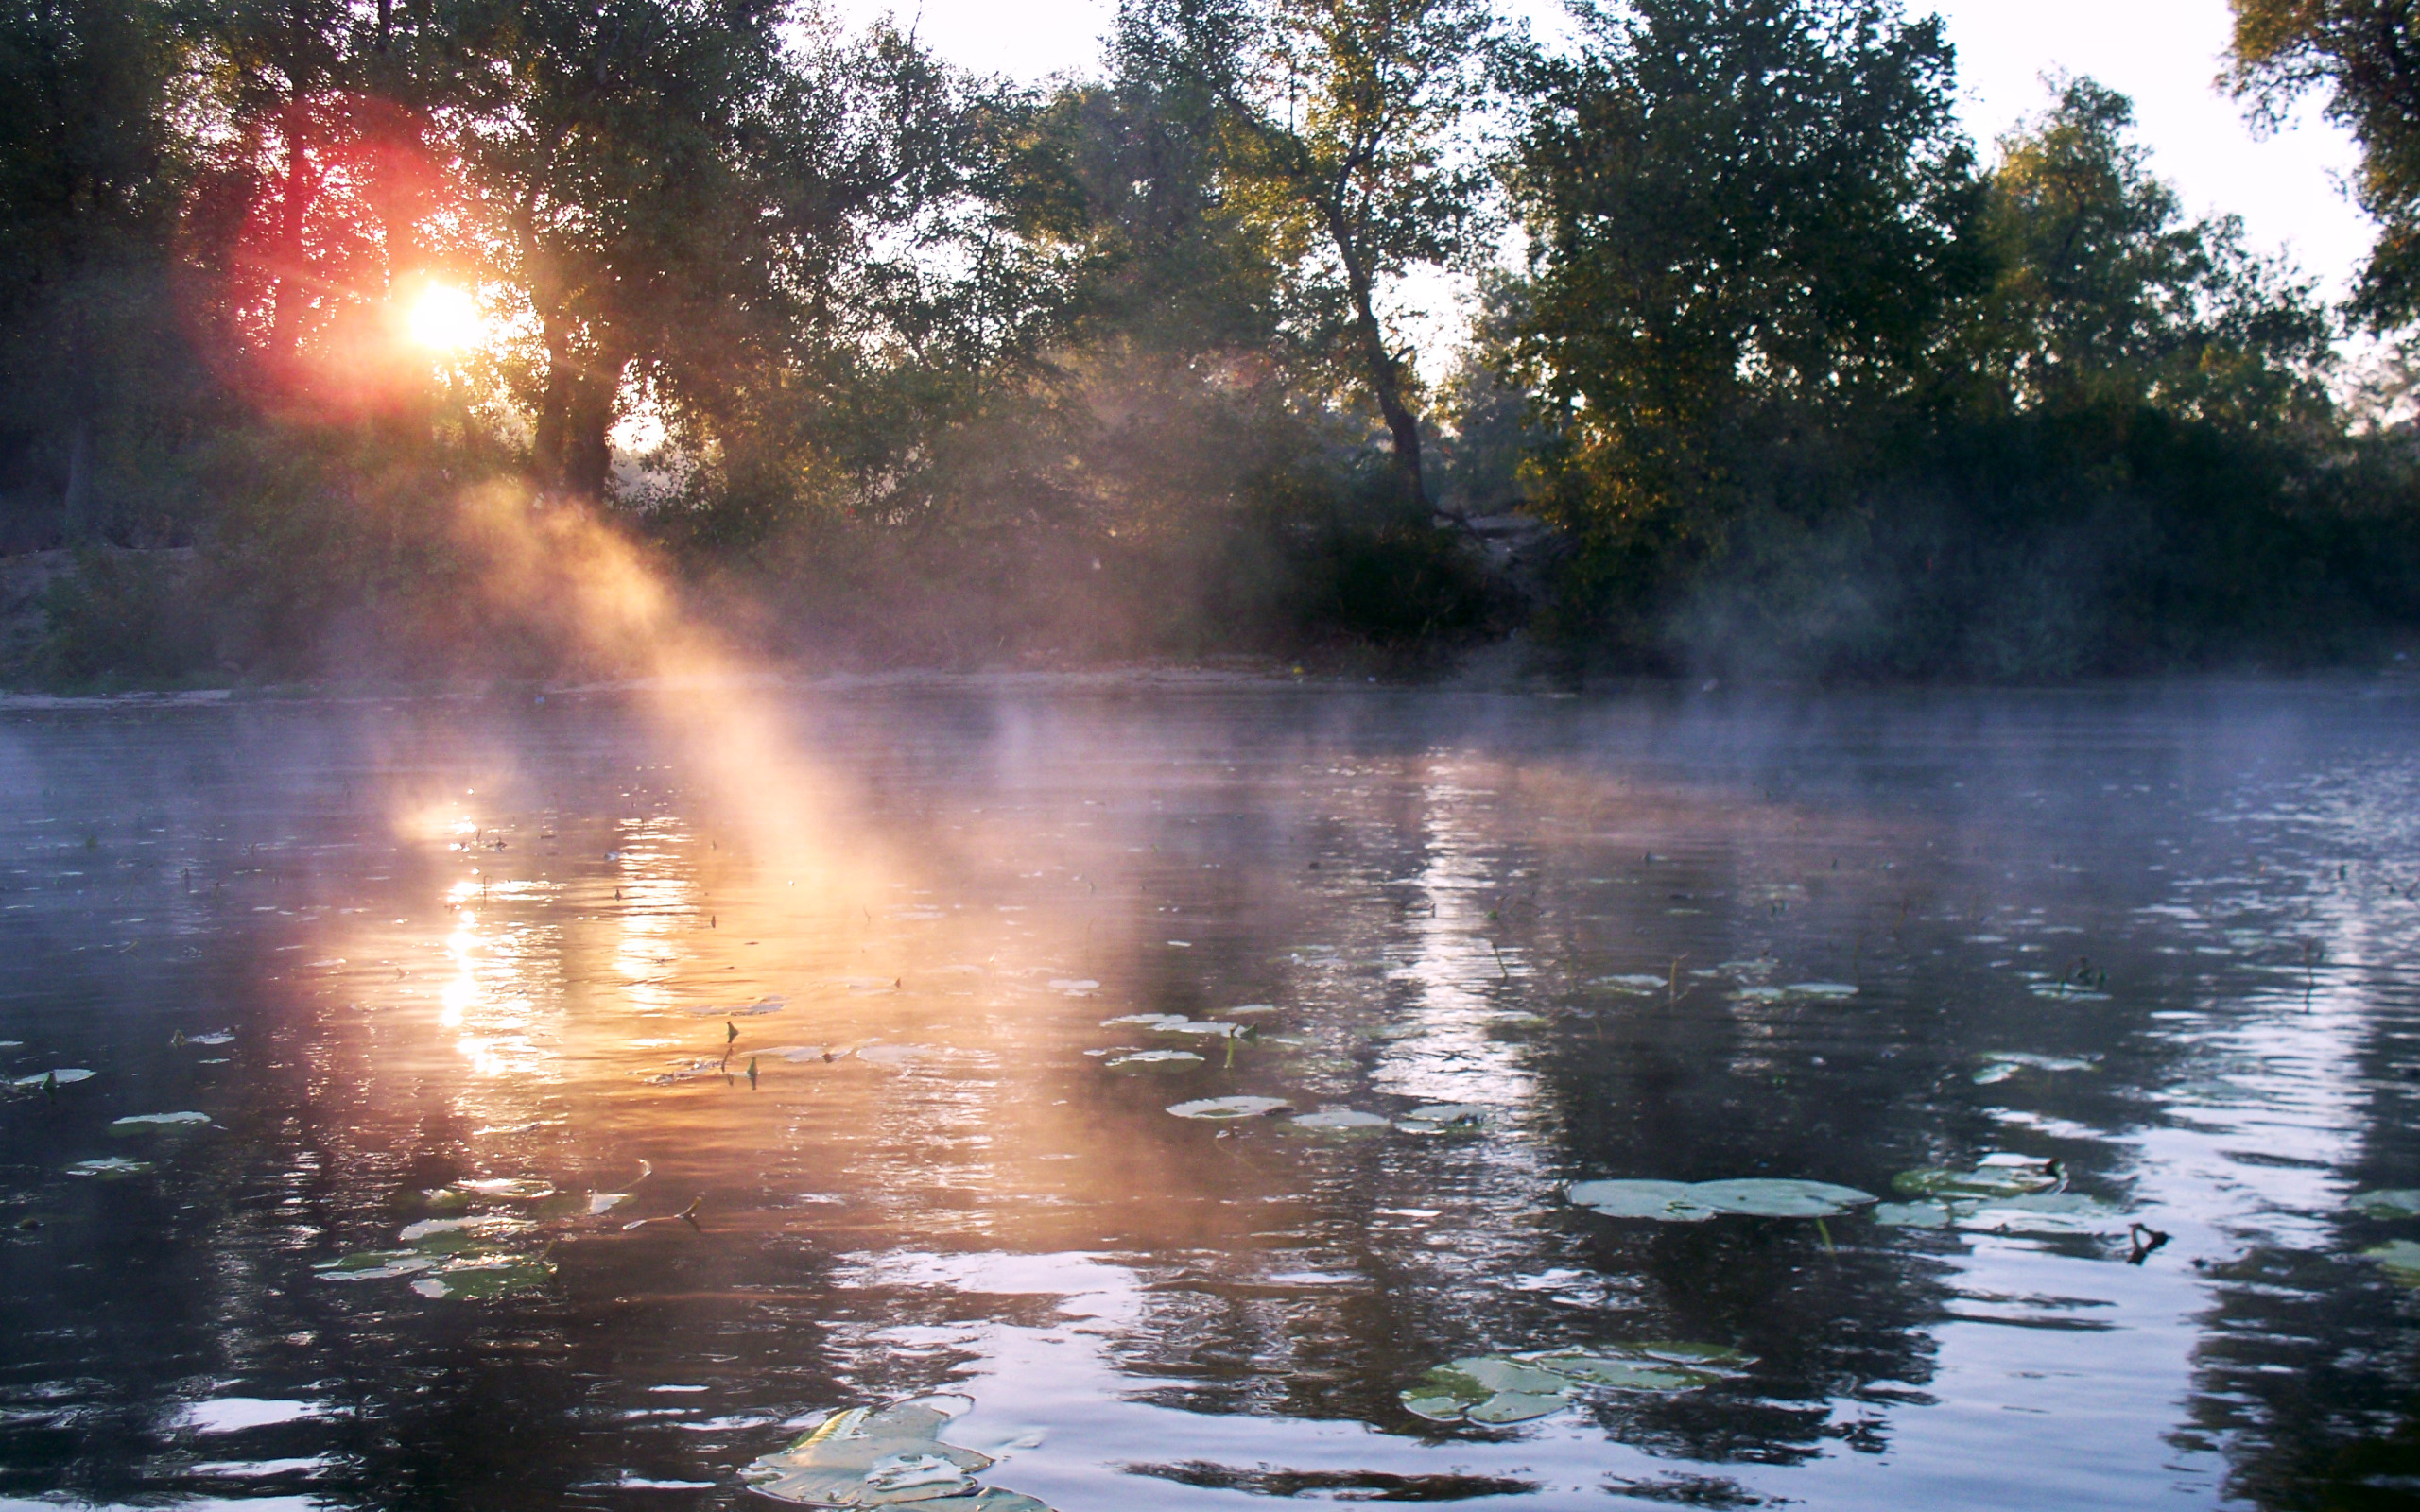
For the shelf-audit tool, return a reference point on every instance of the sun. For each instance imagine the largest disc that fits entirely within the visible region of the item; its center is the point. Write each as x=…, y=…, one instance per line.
x=445, y=320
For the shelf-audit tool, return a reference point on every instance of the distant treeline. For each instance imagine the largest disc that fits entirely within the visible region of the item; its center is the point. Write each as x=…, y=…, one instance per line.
x=891, y=361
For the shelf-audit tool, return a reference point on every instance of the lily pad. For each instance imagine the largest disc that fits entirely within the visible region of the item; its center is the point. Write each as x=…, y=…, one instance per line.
x=1074, y=986
x=1446, y=1118
x=888, y=1456
x=1232, y=1107
x=1147, y=1020
x=2000, y=1065
x=1664, y=1201
x=1993, y=1175
x=448, y=1236
x=1497, y=1389
x=1626, y=1375
x=1635, y=984
x=509, y=1189
x=67, y=1076
x=1516, y=1407
x=2399, y=1259
x=2046, y=1213
x=1708, y=1356
x=1207, y=1029
x=216, y=1037
x=1821, y=990
x=1916, y=1214
x=109, y=1167
x=145, y=1121
x=375, y=1265
x=2399, y=1202
x=1341, y=1121
x=1156, y=1060
x=485, y=1276
x=1763, y=1197
x=1696, y=1201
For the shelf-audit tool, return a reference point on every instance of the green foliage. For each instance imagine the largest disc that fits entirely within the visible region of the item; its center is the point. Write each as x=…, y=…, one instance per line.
x=2106, y=294
x=930, y=366
x=1349, y=149
x=2365, y=55
x=1745, y=221
x=124, y=617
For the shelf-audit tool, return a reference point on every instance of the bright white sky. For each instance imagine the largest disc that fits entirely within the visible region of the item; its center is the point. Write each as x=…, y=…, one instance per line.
x=2163, y=52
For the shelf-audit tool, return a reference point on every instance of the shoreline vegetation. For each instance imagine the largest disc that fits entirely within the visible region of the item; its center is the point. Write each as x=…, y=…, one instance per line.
x=429, y=343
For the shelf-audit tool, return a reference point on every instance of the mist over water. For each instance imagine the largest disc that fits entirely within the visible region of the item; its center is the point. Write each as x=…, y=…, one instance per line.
x=505, y=965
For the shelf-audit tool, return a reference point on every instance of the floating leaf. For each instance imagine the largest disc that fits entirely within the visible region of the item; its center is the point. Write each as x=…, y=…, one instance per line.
x=68, y=1075
x=2400, y=1202
x=1625, y=1374
x=1709, y=1356
x=485, y=1277
x=1695, y=1202
x=1341, y=1121
x=2046, y=1213
x=109, y=1167
x=142, y=1121
x=1232, y=1107
x=1821, y=990
x=1074, y=986
x=2399, y=1259
x=217, y=1036
x=375, y=1265
x=444, y=1236
x=1446, y=1118
x=1496, y=1389
x=509, y=1189
x=1664, y=1201
x=1636, y=984
x=2000, y=1065
x=1205, y=1029
x=1248, y=1009
x=890, y=1457
x=1147, y=1021
x=1915, y=1215
x=1762, y=1197
x=1515, y=1407
x=1154, y=1060
x=605, y=1201
x=1993, y=1175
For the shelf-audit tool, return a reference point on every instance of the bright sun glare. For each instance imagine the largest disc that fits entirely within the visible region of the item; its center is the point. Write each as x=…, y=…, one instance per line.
x=445, y=320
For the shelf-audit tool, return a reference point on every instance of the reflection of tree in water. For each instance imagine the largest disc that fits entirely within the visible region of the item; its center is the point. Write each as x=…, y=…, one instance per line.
x=2306, y=1378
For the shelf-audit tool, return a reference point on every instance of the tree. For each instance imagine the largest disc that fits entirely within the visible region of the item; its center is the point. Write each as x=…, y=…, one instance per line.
x=92, y=176
x=1746, y=219
x=2365, y=54
x=1350, y=144
x=2106, y=294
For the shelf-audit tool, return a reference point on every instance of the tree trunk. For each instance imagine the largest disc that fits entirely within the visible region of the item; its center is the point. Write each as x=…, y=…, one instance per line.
x=291, y=263
x=1386, y=375
x=575, y=412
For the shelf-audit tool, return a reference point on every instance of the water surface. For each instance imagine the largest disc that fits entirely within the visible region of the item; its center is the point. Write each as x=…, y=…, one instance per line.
x=505, y=965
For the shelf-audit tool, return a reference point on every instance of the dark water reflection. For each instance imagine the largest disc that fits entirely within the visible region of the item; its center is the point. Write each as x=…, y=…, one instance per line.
x=456, y=942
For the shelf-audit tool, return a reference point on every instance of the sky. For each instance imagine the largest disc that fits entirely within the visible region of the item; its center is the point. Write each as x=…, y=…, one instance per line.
x=2163, y=52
